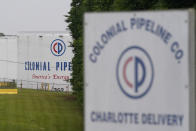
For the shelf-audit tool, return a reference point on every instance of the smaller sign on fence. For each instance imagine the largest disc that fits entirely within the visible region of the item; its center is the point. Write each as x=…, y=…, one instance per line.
x=8, y=91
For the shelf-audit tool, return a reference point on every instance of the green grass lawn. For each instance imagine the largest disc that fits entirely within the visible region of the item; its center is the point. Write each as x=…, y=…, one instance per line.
x=35, y=110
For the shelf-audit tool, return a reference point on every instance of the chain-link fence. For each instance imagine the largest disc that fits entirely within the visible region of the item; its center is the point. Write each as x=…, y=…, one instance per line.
x=6, y=83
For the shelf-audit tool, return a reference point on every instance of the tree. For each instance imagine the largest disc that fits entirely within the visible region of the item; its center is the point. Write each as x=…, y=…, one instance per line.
x=1, y=34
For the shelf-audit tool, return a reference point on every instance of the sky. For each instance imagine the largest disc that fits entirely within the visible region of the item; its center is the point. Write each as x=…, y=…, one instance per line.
x=33, y=15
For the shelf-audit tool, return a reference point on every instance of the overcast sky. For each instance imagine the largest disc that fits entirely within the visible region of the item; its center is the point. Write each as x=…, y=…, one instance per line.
x=33, y=15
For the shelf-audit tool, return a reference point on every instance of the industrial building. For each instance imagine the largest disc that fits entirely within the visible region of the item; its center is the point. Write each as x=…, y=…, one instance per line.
x=37, y=60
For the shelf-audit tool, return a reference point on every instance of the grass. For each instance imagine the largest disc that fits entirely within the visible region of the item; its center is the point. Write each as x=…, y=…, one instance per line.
x=35, y=110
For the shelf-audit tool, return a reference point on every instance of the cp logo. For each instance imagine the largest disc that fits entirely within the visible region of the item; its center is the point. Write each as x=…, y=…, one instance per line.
x=58, y=47
x=135, y=72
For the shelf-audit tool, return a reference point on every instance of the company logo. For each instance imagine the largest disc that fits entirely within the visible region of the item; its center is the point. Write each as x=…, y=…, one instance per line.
x=135, y=72
x=58, y=47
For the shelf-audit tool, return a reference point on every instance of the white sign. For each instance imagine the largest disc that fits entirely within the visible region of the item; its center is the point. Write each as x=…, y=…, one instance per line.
x=45, y=58
x=139, y=71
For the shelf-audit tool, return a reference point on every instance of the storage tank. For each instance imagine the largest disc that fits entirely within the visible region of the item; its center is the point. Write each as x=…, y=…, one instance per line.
x=8, y=58
x=44, y=60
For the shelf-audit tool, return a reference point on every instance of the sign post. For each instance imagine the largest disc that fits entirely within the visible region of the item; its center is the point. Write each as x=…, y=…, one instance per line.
x=140, y=71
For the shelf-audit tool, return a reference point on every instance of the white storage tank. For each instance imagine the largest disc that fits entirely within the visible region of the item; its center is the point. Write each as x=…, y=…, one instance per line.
x=8, y=58
x=44, y=60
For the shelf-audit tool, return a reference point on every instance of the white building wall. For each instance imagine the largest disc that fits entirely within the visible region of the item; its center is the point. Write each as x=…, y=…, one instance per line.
x=36, y=47
x=8, y=58
x=15, y=51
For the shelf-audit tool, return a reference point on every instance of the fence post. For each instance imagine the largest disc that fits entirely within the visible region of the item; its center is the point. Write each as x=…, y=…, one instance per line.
x=21, y=84
x=45, y=84
x=42, y=85
x=53, y=87
x=67, y=89
x=48, y=86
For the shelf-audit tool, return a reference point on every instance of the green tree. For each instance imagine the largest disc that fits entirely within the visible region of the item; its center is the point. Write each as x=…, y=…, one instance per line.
x=75, y=21
x=1, y=34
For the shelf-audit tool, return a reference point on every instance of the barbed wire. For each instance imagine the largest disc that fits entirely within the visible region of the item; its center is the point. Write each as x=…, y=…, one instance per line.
x=22, y=80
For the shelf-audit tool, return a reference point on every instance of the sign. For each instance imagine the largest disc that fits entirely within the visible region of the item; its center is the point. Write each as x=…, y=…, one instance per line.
x=45, y=58
x=58, y=47
x=139, y=71
x=131, y=57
